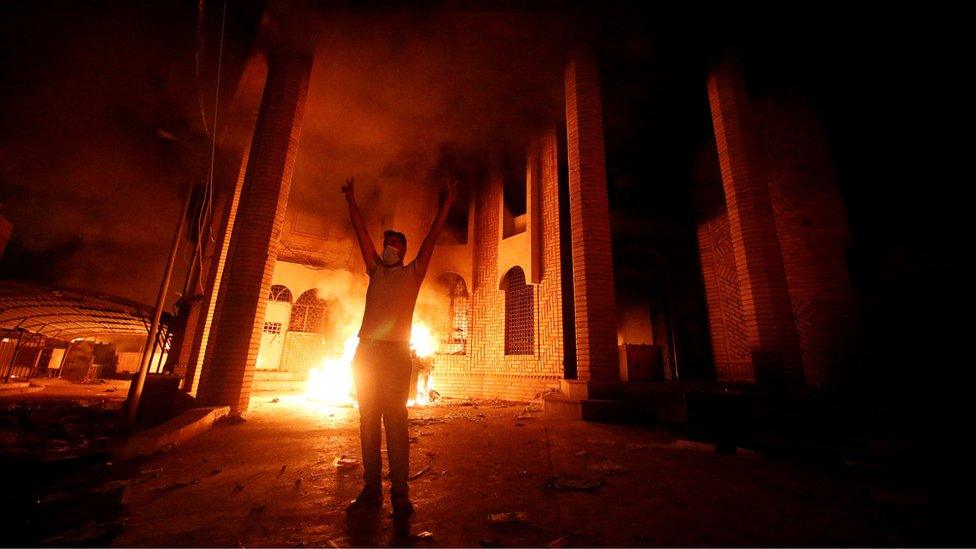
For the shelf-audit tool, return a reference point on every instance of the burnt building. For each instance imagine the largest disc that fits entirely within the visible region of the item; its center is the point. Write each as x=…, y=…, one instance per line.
x=572, y=266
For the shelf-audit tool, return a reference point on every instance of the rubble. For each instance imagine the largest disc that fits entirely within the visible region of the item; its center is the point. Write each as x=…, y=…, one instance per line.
x=563, y=541
x=419, y=473
x=608, y=467
x=345, y=462
x=572, y=482
x=510, y=516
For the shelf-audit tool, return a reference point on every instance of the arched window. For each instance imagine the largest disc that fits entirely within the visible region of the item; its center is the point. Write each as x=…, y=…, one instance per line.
x=280, y=293
x=453, y=324
x=308, y=314
x=519, y=314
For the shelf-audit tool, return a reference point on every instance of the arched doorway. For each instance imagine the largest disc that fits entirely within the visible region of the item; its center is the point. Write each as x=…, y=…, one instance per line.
x=275, y=322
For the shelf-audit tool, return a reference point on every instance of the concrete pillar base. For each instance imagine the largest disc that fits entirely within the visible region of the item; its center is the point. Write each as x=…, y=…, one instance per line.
x=574, y=389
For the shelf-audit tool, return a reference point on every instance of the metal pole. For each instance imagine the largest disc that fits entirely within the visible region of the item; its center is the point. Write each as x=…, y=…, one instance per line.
x=41, y=344
x=161, y=343
x=13, y=358
x=140, y=380
x=64, y=357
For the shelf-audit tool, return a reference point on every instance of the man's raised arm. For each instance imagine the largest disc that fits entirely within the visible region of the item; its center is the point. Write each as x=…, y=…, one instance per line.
x=447, y=197
x=366, y=245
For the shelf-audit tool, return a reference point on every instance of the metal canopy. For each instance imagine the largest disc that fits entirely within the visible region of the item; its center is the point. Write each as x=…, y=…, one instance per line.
x=66, y=314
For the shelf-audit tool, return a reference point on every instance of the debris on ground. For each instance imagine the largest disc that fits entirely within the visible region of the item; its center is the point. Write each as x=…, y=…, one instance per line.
x=231, y=420
x=741, y=452
x=176, y=485
x=216, y=471
x=426, y=535
x=510, y=516
x=608, y=467
x=237, y=488
x=282, y=470
x=275, y=400
x=528, y=411
x=563, y=541
x=683, y=444
x=298, y=484
x=345, y=462
x=419, y=473
x=110, y=486
x=424, y=421
x=90, y=534
x=568, y=481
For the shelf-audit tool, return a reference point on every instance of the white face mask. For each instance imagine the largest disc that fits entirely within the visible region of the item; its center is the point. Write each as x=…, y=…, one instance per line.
x=390, y=255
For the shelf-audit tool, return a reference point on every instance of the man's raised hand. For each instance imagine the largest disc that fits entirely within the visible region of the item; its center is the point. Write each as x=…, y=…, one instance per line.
x=449, y=193
x=348, y=189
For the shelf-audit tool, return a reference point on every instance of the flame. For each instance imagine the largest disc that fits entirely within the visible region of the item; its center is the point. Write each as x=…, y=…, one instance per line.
x=332, y=382
x=422, y=341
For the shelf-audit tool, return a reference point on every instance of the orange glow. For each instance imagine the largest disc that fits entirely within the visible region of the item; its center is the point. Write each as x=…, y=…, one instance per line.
x=423, y=343
x=332, y=382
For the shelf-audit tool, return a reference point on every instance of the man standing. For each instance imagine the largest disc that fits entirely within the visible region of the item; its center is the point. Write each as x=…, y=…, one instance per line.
x=381, y=367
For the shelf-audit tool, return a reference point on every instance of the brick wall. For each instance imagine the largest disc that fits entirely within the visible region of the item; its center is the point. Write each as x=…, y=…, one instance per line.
x=485, y=371
x=232, y=352
x=596, y=322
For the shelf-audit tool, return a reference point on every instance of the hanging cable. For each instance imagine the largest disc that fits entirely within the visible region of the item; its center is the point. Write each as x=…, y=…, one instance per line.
x=207, y=209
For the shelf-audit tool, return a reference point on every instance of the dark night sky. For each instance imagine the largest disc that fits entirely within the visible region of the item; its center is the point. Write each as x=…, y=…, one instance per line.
x=101, y=121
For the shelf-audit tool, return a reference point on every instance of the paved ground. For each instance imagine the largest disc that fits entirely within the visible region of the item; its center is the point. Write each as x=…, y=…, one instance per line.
x=273, y=481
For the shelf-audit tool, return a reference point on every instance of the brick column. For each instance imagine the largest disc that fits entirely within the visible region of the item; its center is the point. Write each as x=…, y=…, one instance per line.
x=730, y=345
x=765, y=298
x=596, y=321
x=233, y=349
x=200, y=323
x=813, y=235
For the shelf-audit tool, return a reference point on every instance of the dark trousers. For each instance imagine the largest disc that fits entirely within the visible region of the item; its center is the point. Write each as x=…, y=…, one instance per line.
x=382, y=374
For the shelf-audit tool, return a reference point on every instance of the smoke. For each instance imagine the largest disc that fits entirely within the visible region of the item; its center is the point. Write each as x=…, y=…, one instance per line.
x=345, y=292
x=403, y=102
x=102, y=127
x=99, y=129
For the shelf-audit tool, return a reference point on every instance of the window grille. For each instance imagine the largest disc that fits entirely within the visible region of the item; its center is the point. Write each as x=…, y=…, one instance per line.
x=280, y=293
x=453, y=326
x=519, y=314
x=308, y=314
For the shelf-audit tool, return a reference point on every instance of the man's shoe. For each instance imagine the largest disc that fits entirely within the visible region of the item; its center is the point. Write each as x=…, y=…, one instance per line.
x=402, y=508
x=366, y=500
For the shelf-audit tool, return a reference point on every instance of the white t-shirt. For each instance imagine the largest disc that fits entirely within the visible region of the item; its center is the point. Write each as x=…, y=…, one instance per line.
x=390, y=299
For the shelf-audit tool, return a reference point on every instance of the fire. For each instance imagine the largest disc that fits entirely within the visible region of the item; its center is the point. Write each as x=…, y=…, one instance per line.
x=423, y=342
x=332, y=381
